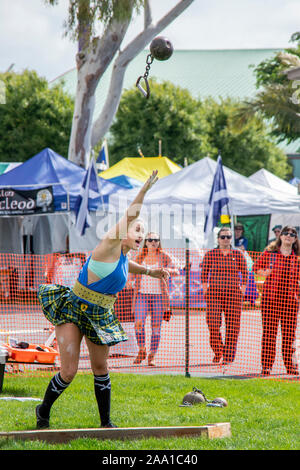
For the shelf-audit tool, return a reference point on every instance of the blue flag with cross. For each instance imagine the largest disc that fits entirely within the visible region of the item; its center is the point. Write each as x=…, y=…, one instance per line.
x=89, y=190
x=217, y=200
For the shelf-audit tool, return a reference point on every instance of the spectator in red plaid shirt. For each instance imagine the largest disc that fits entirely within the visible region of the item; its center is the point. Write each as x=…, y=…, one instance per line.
x=280, y=264
x=220, y=275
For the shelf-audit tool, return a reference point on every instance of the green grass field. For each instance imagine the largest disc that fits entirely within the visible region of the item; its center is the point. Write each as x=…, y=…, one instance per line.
x=263, y=413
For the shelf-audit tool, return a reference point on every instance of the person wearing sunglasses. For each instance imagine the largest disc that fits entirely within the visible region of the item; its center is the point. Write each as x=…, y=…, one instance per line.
x=86, y=310
x=280, y=266
x=151, y=296
x=224, y=277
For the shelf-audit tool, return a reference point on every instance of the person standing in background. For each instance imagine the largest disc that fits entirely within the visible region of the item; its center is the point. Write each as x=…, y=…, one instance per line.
x=280, y=264
x=151, y=296
x=239, y=240
x=224, y=293
x=276, y=229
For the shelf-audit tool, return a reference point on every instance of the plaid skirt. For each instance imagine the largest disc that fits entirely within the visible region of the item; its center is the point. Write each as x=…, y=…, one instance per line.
x=60, y=305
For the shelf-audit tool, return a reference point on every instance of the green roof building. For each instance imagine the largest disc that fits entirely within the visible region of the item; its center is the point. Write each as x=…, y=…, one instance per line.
x=216, y=73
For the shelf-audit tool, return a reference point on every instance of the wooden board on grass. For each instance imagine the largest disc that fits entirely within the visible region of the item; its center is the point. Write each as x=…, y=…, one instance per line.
x=210, y=431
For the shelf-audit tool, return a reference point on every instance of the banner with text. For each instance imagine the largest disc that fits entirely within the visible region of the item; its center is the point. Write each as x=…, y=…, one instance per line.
x=22, y=202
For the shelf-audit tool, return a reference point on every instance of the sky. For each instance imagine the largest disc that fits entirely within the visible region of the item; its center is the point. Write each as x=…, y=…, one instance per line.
x=31, y=33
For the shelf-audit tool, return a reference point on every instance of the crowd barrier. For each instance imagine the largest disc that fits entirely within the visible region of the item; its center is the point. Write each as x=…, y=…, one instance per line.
x=204, y=327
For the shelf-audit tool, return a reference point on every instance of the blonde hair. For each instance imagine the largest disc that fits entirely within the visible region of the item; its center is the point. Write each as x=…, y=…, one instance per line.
x=144, y=249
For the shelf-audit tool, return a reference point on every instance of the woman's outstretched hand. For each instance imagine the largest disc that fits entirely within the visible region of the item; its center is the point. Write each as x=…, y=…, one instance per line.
x=150, y=181
x=160, y=273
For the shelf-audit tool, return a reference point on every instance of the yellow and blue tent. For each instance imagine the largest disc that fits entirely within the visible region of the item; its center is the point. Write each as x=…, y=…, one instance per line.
x=141, y=168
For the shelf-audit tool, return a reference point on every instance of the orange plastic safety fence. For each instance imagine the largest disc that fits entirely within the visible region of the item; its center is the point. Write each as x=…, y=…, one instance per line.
x=220, y=314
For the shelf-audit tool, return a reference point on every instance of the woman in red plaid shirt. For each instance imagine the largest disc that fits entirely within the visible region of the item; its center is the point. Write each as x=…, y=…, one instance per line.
x=224, y=277
x=280, y=298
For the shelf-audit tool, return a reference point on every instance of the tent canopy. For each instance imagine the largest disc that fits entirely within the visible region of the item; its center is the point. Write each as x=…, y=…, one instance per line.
x=295, y=181
x=141, y=168
x=266, y=178
x=125, y=181
x=5, y=166
x=192, y=185
x=48, y=168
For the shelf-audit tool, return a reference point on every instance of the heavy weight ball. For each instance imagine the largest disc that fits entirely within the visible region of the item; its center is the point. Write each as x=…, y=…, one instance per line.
x=220, y=401
x=193, y=398
x=161, y=48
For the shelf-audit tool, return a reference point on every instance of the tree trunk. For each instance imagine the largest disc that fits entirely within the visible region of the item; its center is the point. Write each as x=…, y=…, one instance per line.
x=92, y=63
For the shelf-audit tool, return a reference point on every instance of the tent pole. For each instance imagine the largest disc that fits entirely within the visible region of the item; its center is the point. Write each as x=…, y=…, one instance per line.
x=69, y=220
x=187, y=302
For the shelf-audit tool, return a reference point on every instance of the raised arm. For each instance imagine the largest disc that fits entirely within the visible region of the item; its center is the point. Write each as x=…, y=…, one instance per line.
x=120, y=230
x=109, y=247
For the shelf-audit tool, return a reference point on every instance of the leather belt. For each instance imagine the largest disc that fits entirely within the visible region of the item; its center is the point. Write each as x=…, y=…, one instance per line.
x=103, y=300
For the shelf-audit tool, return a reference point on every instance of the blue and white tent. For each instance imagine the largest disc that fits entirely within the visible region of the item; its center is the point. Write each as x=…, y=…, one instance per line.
x=125, y=181
x=48, y=168
x=45, y=169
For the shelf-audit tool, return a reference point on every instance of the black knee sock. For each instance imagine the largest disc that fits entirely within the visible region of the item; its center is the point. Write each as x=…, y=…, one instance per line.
x=56, y=386
x=102, y=388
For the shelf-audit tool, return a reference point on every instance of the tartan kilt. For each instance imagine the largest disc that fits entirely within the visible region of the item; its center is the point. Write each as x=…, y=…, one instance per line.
x=60, y=305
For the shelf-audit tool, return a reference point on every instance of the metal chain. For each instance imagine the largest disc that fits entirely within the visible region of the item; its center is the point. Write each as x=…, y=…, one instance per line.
x=146, y=92
x=149, y=61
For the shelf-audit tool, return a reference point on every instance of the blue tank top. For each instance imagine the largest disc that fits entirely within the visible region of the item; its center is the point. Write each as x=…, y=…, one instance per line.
x=111, y=284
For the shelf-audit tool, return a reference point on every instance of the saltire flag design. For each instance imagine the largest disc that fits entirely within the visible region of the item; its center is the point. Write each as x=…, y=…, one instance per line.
x=217, y=200
x=103, y=159
x=89, y=190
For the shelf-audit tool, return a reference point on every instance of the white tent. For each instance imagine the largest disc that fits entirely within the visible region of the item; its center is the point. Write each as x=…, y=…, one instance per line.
x=192, y=186
x=267, y=179
x=185, y=195
x=178, y=201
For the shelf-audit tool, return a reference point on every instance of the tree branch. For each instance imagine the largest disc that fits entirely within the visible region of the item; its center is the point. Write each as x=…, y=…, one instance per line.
x=103, y=122
x=147, y=14
x=91, y=65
